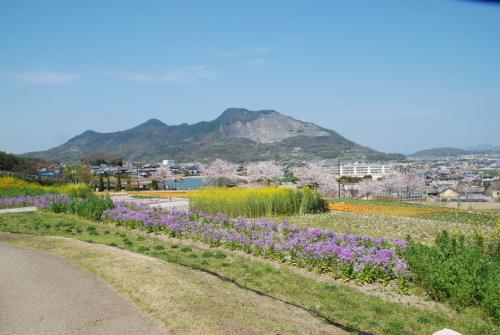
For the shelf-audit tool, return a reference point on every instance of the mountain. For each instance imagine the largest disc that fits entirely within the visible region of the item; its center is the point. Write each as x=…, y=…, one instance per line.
x=237, y=135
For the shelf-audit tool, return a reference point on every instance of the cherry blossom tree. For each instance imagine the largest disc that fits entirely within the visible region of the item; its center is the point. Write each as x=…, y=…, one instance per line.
x=263, y=173
x=391, y=184
x=162, y=175
x=401, y=184
x=367, y=187
x=463, y=182
x=318, y=176
x=411, y=183
x=219, y=172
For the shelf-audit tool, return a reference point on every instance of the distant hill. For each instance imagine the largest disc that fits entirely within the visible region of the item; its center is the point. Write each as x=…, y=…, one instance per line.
x=484, y=147
x=440, y=152
x=237, y=135
x=450, y=152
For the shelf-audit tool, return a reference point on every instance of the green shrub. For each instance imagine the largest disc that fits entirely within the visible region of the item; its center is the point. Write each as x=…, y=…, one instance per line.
x=462, y=271
x=83, y=191
x=91, y=230
x=91, y=207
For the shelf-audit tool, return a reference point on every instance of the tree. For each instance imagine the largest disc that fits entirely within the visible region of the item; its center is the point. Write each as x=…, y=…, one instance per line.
x=263, y=173
x=129, y=186
x=84, y=173
x=116, y=162
x=11, y=162
x=154, y=185
x=219, y=172
x=318, y=176
x=367, y=187
x=70, y=172
x=101, y=183
x=391, y=184
x=401, y=184
x=118, y=185
x=163, y=174
x=411, y=183
x=463, y=182
x=108, y=182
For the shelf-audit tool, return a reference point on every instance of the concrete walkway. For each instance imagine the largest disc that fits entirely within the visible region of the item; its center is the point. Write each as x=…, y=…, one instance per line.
x=18, y=210
x=44, y=294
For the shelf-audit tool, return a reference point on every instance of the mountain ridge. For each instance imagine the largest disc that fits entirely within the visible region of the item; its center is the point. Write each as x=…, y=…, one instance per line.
x=237, y=135
x=452, y=151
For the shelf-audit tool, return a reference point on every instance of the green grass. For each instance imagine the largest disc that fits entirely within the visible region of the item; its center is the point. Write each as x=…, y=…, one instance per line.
x=338, y=303
x=10, y=192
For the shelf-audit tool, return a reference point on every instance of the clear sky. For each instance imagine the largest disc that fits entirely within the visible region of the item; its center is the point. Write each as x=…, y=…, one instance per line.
x=397, y=76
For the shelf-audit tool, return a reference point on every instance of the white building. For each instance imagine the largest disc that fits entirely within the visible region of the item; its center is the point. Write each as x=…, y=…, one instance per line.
x=362, y=169
x=168, y=162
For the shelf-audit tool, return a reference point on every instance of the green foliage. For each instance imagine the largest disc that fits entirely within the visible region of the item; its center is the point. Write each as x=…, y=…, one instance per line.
x=129, y=186
x=154, y=185
x=83, y=191
x=90, y=207
x=101, y=183
x=255, y=202
x=460, y=270
x=91, y=230
x=70, y=173
x=118, y=185
x=15, y=163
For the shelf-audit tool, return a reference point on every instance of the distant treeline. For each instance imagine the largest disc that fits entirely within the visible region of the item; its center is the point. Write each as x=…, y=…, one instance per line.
x=98, y=159
x=15, y=163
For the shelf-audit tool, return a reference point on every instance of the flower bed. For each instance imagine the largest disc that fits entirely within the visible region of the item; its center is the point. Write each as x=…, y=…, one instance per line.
x=257, y=202
x=346, y=256
x=41, y=201
x=161, y=194
x=404, y=211
x=13, y=187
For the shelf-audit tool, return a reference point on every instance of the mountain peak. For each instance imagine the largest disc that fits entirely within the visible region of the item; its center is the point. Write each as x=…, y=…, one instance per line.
x=241, y=114
x=238, y=134
x=153, y=123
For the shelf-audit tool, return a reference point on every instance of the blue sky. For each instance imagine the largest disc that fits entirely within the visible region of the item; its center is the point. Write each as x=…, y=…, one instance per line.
x=397, y=76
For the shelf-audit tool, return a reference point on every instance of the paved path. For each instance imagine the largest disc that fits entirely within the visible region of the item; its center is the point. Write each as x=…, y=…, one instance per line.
x=44, y=294
x=18, y=210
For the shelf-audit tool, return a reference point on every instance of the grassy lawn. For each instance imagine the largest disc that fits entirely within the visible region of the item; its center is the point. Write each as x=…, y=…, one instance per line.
x=186, y=301
x=332, y=303
x=422, y=230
